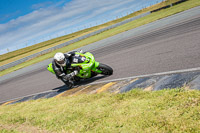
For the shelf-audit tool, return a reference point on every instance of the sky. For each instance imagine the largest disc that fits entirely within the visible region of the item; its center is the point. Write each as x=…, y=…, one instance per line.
x=27, y=22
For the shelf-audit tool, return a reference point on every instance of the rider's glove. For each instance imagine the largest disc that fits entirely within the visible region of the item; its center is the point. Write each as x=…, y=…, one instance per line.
x=69, y=76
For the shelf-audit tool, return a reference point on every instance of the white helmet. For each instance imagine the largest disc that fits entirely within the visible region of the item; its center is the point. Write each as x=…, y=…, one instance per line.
x=60, y=59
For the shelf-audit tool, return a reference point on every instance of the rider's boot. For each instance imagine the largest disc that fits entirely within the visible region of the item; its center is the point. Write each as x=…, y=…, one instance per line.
x=68, y=83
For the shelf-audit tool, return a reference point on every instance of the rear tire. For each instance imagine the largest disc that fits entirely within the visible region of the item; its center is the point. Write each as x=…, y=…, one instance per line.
x=106, y=70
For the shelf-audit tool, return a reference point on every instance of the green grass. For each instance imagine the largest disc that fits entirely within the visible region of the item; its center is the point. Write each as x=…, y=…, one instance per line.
x=175, y=110
x=12, y=56
x=139, y=22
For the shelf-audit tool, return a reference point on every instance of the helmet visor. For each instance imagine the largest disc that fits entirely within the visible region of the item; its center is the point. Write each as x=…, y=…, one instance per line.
x=62, y=62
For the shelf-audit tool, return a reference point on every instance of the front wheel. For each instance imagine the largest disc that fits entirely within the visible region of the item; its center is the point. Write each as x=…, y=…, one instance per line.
x=106, y=70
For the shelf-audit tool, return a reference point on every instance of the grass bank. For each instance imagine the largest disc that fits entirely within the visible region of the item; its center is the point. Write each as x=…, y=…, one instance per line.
x=175, y=110
x=139, y=22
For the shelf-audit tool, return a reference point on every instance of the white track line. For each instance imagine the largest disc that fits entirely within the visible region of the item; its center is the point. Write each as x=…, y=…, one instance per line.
x=150, y=75
x=113, y=80
x=19, y=98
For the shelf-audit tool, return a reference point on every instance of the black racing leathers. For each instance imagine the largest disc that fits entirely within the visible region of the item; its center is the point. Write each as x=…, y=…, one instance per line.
x=61, y=72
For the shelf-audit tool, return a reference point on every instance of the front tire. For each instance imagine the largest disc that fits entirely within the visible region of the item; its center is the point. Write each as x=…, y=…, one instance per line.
x=106, y=70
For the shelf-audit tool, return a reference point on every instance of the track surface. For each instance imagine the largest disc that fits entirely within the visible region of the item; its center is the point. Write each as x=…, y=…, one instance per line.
x=173, y=47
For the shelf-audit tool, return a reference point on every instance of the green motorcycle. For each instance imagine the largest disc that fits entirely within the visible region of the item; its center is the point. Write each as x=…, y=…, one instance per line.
x=87, y=66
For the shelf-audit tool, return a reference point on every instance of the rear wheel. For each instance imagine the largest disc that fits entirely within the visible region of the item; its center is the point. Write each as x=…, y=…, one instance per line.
x=106, y=70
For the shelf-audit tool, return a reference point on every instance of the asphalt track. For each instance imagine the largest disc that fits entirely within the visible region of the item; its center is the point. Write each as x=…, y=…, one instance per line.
x=171, y=47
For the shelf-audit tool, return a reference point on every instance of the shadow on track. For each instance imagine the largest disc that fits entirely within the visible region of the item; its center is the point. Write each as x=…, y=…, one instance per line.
x=61, y=88
x=77, y=84
x=88, y=81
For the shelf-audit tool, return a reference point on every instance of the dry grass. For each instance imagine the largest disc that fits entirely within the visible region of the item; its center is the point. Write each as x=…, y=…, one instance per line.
x=175, y=110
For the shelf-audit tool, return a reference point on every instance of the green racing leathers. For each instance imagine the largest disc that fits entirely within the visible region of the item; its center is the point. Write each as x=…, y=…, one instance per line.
x=82, y=66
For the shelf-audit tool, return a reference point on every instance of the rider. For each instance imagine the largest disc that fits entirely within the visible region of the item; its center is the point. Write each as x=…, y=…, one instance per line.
x=61, y=63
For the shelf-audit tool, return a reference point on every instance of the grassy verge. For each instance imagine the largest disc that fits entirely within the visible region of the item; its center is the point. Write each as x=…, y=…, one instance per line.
x=21, y=53
x=139, y=22
x=175, y=110
x=18, y=54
